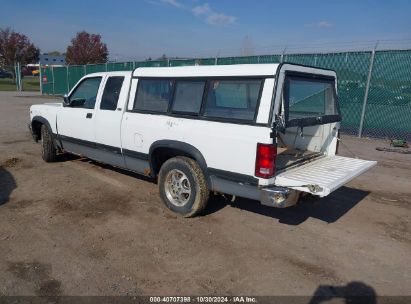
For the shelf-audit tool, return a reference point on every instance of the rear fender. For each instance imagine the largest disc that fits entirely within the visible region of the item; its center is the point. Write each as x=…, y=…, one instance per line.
x=184, y=148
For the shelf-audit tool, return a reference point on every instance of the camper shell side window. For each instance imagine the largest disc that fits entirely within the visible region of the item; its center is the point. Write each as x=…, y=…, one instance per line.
x=226, y=99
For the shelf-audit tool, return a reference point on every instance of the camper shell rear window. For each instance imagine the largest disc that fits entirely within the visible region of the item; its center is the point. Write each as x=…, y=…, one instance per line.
x=309, y=100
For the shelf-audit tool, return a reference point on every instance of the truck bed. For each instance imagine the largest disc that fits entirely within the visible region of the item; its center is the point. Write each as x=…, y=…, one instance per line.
x=288, y=158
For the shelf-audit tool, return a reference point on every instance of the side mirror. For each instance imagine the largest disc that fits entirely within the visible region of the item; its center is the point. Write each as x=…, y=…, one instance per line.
x=66, y=101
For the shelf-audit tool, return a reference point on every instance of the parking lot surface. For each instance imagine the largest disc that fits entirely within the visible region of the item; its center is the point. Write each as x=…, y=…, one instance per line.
x=77, y=227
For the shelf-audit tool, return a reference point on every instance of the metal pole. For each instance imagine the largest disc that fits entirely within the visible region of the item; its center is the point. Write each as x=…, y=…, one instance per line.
x=84, y=69
x=216, y=60
x=52, y=76
x=282, y=55
x=67, y=79
x=41, y=79
x=19, y=79
x=367, y=89
x=16, y=76
x=106, y=67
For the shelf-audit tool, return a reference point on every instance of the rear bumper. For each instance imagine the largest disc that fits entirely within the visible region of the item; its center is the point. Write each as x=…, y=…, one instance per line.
x=278, y=197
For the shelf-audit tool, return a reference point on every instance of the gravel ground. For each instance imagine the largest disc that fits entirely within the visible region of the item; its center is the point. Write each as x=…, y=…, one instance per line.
x=77, y=227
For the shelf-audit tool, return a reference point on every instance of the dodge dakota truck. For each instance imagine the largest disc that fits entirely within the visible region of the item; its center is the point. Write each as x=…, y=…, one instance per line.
x=267, y=132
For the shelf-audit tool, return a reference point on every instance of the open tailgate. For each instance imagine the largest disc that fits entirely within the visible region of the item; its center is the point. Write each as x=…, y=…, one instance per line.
x=323, y=176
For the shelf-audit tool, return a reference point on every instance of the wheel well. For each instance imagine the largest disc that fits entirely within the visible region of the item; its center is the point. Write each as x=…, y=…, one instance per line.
x=36, y=127
x=160, y=155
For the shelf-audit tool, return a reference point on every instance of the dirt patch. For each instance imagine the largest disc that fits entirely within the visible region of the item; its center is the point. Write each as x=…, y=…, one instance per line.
x=11, y=162
x=93, y=207
x=402, y=200
x=21, y=204
x=11, y=142
x=37, y=273
x=31, y=272
x=62, y=206
x=386, y=164
x=97, y=253
x=309, y=269
x=49, y=288
x=154, y=210
x=399, y=231
x=170, y=216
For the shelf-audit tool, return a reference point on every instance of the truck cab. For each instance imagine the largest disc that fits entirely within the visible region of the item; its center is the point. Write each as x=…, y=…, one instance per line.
x=267, y=132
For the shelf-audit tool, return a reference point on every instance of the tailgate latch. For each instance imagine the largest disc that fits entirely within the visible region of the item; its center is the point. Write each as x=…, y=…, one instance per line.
x=314, y=188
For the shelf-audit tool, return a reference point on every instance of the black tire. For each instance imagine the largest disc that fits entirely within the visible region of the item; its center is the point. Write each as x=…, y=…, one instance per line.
x=197, y=200
x=48, y=150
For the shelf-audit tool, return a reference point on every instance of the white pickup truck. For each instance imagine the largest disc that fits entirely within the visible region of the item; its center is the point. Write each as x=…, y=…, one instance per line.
x=266, y=132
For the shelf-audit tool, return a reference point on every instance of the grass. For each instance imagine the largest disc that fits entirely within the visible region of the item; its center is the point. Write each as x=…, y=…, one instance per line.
x=29, y=84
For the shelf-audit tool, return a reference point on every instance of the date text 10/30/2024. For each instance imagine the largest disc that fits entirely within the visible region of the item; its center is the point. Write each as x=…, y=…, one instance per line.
x=203, y=299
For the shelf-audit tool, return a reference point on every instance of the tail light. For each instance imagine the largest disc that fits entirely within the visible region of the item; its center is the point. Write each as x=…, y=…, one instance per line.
x=265, y=160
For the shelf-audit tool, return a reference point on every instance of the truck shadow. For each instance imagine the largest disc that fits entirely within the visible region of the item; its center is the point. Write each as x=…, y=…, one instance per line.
x=72, y=157
x=353, y=293
x=7, y=185
x=328, y=209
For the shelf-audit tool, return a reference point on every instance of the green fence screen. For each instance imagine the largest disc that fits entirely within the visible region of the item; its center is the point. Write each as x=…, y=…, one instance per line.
x=389, y=102
x=388, y=106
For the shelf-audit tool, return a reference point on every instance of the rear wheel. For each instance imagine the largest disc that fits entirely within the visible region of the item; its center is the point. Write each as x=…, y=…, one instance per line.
x=48, y=150
x=183, y=187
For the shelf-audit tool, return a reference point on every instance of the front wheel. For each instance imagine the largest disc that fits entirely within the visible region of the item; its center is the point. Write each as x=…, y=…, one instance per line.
x=48, y=150
x=183, y=186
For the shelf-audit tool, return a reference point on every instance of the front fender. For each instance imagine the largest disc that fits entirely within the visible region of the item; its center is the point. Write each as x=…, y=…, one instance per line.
x=35, y=128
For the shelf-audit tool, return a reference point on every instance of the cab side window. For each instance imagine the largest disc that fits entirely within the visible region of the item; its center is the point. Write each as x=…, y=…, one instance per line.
x=111, y=93
x=84, y=96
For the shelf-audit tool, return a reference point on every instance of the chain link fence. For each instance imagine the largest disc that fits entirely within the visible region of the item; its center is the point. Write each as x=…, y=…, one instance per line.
x=384, y=112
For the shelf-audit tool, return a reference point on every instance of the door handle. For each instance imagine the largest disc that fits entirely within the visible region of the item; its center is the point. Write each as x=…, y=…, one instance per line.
x=89, y=115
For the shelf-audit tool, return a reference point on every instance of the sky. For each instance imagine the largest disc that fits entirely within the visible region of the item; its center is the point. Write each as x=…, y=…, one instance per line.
x=139, y=29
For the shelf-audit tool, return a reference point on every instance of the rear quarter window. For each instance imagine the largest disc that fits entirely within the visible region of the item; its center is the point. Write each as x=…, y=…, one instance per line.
x=188, y=97
x=153, y=95
x=233, y=99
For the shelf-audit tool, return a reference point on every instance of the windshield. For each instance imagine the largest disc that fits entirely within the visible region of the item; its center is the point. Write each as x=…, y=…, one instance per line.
x=310, y=101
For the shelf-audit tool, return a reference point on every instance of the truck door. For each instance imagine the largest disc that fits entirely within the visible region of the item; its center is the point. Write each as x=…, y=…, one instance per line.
x=75, y=122
x=108, y=117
